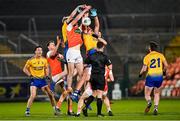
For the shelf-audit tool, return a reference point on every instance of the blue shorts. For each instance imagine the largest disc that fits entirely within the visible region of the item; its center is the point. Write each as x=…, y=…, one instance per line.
x=52, y=86
x=91, y=51
x=38, y=83
x=154, y=81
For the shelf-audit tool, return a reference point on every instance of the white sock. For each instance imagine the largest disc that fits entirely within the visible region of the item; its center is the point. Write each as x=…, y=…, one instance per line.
x=108, y=109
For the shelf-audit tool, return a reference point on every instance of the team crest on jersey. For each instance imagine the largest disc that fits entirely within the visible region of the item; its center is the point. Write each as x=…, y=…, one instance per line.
x=78, y=31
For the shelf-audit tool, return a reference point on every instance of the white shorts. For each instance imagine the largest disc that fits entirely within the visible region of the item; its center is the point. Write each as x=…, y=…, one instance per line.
x=74, y=56
x=55, y=78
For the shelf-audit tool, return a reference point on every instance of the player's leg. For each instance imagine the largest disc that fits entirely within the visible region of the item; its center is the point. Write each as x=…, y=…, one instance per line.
x=50, y=94
x=107, y=103
x=90, y=99
x=70, y=76
x=62, y=97
x=157, y=90
x=99, y=103
x=156, y=99
x=86, y=94
x=85, y=77
x=70, y=104
x=80, y=83
x=147, y=93
x=79, y=67
x=33, y=90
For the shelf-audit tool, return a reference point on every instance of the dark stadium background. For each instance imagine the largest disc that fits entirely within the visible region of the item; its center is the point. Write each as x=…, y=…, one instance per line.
x=127, y=25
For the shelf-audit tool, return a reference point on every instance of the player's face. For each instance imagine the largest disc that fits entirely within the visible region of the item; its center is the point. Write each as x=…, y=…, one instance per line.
x=86, y=14
x=51, y=46
x=38, y=52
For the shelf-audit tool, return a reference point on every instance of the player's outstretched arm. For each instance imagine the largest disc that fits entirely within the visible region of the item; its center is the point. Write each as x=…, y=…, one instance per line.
x=96, y=20
x=79, y=16
x=74, y=12
x=53, y=52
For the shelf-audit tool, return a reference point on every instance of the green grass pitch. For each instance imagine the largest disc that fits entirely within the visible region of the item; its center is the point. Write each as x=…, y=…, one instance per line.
x=132, y=109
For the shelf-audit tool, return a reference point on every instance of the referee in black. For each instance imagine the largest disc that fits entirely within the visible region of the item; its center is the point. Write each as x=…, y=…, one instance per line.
x=98, y=61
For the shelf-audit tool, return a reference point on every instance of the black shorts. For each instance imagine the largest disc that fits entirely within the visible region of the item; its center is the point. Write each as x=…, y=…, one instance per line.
x=97, y=81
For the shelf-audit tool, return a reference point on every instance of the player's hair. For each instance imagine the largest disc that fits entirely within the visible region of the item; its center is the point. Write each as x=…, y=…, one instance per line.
x=100, y=45
x=37, y=47
x=153, y=45
x=50, y=42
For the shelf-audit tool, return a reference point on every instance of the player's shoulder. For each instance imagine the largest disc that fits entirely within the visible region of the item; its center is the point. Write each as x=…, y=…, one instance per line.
x=48, y=54
x=104, y=55
x=43, y=58
x=161, y=54
x=147, y=56
x=31, y=58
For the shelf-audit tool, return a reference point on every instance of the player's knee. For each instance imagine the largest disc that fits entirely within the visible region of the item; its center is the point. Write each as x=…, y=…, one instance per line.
x=50, y=94
x=69, y=89
x=32, y=96
x=70, y=75
x=65, y=93
x=156, y=94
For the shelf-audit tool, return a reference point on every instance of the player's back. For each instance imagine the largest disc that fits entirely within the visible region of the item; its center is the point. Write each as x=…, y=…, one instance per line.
x=98, y=61
x=154, y=61
x=89, y=41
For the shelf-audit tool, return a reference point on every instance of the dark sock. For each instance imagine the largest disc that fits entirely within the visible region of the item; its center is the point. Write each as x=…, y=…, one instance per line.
x=89, y=100
x=68, y=105
x=99, y=105
x=27, y=109
x=155, y=106
x=149, y=101
x=77, y=92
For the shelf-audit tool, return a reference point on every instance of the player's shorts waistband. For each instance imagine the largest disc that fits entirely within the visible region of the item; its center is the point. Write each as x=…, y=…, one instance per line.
x=91, y=51
x=74, y=50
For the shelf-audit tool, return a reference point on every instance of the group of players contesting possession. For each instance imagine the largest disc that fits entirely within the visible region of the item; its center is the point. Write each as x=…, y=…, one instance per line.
x=92, y=74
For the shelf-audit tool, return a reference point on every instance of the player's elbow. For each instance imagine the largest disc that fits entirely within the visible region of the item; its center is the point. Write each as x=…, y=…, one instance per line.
x=105, y=43
x=24, y=69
